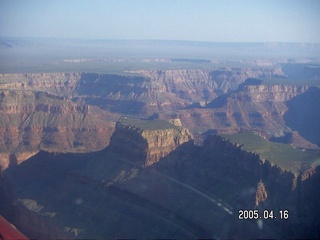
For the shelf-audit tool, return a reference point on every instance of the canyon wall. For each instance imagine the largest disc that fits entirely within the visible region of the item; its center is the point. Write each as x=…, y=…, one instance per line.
x=31, y=121
x=61, y=84
x=144, y=144
x=186, y=193
x=166, y=90
x=77, y=111
x=250, y=107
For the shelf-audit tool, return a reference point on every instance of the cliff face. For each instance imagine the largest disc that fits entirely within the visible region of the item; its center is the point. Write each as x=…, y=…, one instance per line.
x=223, y=100
x=146, y=145
x=61, y=84
x=31, y=121
x=86, y=195
x=269, y=93
x=251, y=107
x=166, y=90
x=224, y=79
x=303, y=115
x=63, y=111
x=128, y=95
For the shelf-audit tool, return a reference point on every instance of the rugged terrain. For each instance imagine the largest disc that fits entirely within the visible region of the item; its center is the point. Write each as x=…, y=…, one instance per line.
x=77, y=111
x=37, y=113
x=31, y=121
x=147, y=141
x=186, y=194
x=113, y=155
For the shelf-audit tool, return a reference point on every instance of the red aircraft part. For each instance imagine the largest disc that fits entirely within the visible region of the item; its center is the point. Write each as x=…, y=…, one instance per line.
x=9, y=232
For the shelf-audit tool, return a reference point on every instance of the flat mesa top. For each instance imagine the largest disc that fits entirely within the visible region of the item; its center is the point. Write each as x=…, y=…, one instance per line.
x=285, y=156
x=147, y=124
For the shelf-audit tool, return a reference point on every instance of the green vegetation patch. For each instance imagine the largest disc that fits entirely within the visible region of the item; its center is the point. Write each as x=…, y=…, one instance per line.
x=148, y=124
x=284, y=155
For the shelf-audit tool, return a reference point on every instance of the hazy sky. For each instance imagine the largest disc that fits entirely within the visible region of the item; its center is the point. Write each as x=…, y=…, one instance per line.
x=199, y=20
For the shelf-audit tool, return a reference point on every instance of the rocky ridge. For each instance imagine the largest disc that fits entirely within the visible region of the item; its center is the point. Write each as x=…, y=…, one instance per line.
x=176, y=196
x=38, y=110
x=250, y=107
x=165, y=90
x=31, y=121
x=61, y=84
x=144, y=143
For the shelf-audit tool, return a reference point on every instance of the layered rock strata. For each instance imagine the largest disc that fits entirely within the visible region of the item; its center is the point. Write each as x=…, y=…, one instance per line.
x=192, y=192
x=61, y=84
x=62, y=111
x=202, y=99
x=145, y=142
x=31, y=121
x=250, y=107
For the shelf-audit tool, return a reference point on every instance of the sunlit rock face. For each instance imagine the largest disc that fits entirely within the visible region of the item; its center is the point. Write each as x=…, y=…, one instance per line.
x=31, y=121
x=250, y=107
x=145, y=142
x=60, y=84
x=76, y=112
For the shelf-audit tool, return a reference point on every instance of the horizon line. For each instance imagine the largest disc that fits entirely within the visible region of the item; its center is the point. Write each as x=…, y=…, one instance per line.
x=156, y=40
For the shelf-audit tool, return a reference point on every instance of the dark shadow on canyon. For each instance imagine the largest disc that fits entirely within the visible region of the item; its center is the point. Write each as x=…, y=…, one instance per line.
x=184, y=195
x=303, y=115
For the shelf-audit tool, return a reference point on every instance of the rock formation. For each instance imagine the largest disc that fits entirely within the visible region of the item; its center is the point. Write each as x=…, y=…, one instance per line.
x=187, y=193
x=303, y=115
x=145, y=142
x=261, y=194
x=60, y=84
x=31, y=121
x=165, y=90
x=253, y=107
x=72, y=111
x=69, y=168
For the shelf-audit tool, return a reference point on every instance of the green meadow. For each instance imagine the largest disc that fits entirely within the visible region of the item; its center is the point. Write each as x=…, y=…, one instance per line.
x=284, y=155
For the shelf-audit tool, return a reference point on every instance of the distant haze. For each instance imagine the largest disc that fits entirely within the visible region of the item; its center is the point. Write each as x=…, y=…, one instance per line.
x=53, y=54
x=192, y=20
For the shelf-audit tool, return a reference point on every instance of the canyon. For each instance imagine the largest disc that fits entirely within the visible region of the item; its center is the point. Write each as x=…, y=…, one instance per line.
x=74, y=112
x=186, y=193
x=145, y=153
x=147, y=141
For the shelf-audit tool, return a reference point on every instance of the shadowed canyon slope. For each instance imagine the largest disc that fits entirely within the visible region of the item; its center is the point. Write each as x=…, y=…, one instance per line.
x=303, y=115
x=187, y=193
